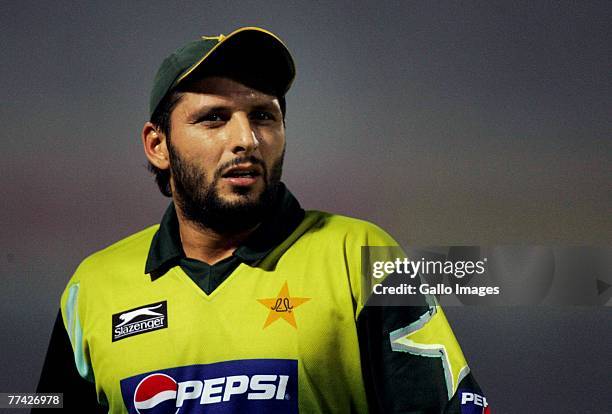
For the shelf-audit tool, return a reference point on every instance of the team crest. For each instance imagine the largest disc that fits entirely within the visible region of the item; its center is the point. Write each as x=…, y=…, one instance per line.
x=282, y=307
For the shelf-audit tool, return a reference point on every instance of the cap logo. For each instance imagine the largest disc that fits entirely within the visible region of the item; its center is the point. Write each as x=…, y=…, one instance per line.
x=217, y=38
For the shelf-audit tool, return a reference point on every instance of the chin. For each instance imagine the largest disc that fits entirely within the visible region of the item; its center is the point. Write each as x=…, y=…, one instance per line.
x=243, y=195
x=235, y=192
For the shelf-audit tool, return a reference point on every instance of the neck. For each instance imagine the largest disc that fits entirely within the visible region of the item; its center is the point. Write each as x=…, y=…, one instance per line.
x=205, y=244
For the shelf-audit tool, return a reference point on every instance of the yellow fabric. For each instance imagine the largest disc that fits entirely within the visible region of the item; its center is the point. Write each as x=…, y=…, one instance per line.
x=319, y=264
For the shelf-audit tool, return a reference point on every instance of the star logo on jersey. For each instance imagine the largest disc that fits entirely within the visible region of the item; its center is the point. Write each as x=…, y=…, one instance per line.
x=282, y=307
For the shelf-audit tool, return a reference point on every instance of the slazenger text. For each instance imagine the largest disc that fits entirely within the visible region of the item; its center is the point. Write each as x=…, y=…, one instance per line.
x=139, y=326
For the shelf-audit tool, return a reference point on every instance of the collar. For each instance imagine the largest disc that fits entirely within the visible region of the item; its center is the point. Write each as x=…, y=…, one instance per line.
x=166, y=249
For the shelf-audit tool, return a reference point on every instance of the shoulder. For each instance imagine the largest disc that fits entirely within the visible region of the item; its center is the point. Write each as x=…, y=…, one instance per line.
x=130, y=251
x=350, y=229
x=114, y=265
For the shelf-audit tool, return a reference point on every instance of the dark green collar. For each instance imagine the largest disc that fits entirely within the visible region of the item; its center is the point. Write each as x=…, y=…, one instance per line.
x=166, y=248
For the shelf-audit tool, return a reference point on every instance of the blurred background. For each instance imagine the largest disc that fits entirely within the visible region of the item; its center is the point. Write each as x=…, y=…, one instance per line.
x=443, y=122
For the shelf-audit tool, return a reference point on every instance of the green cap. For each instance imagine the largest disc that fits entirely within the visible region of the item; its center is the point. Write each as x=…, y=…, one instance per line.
x=251, y=53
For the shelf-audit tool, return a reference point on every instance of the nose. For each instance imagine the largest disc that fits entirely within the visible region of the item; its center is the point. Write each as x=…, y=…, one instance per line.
x=243, y=138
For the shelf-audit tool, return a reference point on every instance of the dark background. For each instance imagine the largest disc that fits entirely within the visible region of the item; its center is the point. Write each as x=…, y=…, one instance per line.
x=444, y=122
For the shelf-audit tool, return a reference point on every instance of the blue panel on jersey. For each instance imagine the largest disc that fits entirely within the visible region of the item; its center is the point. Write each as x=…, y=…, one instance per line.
x=244, y=386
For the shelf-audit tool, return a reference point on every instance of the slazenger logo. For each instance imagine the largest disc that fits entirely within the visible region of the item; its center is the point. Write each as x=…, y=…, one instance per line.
x=139, y=320
x=472, y=403
x=263, y=386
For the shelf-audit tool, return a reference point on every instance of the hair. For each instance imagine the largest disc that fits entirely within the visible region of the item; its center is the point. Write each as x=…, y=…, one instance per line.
x=161, y=120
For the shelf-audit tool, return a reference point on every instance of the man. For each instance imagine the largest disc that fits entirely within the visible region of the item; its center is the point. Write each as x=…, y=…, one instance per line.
x=239, y=301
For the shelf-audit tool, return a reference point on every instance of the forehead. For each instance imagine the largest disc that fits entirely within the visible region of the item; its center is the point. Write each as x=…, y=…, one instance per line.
x=216, y=88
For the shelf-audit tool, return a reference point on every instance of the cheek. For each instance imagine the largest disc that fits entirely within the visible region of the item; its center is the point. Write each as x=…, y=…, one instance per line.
x=273, y=145
x=206, y=157
x=209, y=165
x=201, y=163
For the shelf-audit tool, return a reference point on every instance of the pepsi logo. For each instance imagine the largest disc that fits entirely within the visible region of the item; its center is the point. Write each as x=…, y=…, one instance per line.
x=156, y=394
x=240, y=386
x=472, y=403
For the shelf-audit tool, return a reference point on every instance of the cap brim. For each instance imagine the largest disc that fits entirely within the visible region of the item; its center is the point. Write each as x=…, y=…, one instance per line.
x=255, y=56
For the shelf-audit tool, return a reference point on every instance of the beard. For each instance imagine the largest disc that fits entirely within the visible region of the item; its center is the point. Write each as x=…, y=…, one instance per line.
x=199, y=199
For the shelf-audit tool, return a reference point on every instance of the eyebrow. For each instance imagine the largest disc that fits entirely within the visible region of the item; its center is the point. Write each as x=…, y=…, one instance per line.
x=205, y=110
x=208, y=109
x=269, y=106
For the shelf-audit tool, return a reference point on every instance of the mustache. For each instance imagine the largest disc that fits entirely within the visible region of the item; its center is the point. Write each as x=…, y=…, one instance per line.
x=240, y=160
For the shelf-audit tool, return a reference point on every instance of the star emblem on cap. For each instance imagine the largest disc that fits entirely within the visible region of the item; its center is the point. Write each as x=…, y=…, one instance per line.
x=282, y=307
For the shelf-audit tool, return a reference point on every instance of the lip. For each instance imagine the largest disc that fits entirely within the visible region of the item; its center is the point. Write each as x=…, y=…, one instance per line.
x=242, y=181
x=254, y=169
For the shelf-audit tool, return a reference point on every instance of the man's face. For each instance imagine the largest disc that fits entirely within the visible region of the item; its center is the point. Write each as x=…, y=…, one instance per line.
x=226, y=151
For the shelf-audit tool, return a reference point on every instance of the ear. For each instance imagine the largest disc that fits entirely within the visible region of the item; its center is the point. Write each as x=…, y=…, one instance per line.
x=154, y=143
